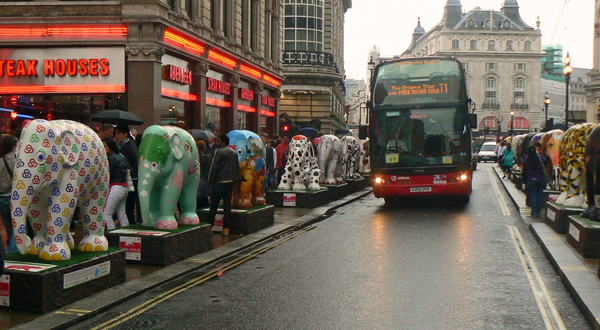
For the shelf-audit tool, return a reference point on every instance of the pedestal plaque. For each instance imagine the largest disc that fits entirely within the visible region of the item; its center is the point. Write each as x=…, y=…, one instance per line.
x=557, y=216
x=304, y=199
x=149, y=246
x=36, y=285
x=244, y=222
x=584, y=236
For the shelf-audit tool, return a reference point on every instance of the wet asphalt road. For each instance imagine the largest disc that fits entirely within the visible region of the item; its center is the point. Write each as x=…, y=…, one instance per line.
x=422, y=264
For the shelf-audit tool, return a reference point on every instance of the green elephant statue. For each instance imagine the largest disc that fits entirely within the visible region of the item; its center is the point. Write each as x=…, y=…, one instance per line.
x=168, y=172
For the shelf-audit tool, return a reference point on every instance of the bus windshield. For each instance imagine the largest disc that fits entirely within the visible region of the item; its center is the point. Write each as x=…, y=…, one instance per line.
x=420, y=137
x=419, y=81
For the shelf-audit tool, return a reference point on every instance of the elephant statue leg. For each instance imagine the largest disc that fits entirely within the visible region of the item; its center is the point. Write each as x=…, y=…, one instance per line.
x=168, y=202
x=57, y=226
x=39, y=213
x=188, y=205
x=245, y=185
x=93, y=228
x=257, y=190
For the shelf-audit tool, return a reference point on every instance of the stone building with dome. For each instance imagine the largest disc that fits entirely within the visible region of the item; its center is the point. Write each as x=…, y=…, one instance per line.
x=501, y=55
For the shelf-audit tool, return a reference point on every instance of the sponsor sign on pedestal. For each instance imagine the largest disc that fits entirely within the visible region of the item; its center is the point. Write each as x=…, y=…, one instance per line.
x=85, y=275
x=132, y=247
x=218, y=223
x=289, y=199
x=557, y=216
x=5, y=290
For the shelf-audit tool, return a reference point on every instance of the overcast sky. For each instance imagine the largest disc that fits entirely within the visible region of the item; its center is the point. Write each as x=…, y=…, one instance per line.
x=389, y=24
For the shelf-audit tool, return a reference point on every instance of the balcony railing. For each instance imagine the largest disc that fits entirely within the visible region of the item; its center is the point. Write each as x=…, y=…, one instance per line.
x=519, y=106
x=309, y=58
x=490, y=105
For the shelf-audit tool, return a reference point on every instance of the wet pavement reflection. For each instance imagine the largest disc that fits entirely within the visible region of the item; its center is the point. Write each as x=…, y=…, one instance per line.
x=10, y=318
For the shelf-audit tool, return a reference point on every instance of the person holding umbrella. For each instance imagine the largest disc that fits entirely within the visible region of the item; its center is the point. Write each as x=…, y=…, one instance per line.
x=130, y=152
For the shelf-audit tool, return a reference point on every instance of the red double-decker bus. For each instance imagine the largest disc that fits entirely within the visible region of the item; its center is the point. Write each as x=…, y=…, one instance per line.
x=420, y=129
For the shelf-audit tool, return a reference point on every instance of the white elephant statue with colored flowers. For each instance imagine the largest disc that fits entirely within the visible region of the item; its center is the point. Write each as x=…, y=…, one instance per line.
x=330, y=159
x=60, y=165
x=350, y=157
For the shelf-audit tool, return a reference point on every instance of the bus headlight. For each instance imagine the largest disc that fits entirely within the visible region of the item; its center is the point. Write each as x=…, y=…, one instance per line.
x=378, y=180
x=463, y=177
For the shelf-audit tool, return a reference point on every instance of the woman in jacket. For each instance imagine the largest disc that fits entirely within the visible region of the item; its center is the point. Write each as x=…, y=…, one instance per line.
x=205, y=162
x=119, y=190
x=534, y=165
x=507, y=160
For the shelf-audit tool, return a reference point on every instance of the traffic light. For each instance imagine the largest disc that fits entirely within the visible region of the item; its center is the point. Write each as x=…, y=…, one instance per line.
x=286, y=128
x=13, y=115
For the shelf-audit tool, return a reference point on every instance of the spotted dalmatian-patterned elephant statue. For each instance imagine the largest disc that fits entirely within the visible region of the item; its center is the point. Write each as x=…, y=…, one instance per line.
x=351, y=157
x=572, y=165
x=60, y=165
x=301, y=170
x=330, y=159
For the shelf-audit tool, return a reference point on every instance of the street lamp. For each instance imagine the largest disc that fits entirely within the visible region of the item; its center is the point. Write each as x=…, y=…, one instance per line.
x=567, y=70
x=512, y=124
x=499, y=121
x=371, y=67
x=546, y=104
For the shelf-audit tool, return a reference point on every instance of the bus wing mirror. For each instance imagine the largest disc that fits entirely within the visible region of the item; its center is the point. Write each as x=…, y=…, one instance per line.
x=473, y=120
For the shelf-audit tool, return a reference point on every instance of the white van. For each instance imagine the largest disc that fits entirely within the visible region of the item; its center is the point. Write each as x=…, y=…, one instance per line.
x=488, y=151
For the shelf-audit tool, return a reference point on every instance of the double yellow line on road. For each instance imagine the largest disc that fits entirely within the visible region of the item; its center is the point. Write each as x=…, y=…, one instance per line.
x=190, y=284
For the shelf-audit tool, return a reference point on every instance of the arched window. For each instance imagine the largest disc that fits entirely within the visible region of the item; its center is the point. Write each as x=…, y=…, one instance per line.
x=519, y=122
x=488, y=121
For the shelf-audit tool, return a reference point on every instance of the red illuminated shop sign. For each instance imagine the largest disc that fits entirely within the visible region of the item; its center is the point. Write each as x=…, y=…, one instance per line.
x=177, y=74
x=218, y=86
x=246, y=94
x=268, y=101
x=60, y=67
x=62, y=70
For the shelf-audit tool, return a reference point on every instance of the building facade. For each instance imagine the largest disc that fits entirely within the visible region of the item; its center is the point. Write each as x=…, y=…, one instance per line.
x=501, y=55
x=313, y=92
x=593, y=85
x=210, y=64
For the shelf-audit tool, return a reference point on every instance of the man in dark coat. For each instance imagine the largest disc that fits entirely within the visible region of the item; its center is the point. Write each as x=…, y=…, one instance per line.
x=129, y=150
x=224, y=172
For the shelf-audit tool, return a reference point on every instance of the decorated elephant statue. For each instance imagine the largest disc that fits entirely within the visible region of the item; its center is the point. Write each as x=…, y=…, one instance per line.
x=248, y=191
x=168, y=172
x=302, y=169
x=330, y=159
x=572, y=165
x=551, y=145
x=60, y=165
x=592, y=175
x=351, y=157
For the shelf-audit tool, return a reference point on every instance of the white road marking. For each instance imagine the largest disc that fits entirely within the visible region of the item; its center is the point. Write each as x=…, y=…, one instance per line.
x=540, y=292
x=503, y=206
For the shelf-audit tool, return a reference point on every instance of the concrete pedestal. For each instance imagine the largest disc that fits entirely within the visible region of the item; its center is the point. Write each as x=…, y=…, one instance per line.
x=557, y=216
x=302, y=199
x=584, y=236
x=149, y=246
x=356, y=184
x=517, y=179
x=244, y=222
x=337, y=191
x=34, y=285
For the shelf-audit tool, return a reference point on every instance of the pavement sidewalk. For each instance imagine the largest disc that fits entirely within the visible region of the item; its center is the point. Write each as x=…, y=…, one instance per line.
x=579, y=274
x=98, y=303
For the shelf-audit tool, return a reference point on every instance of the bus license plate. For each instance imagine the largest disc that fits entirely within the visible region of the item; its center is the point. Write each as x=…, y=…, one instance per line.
x=420, y=189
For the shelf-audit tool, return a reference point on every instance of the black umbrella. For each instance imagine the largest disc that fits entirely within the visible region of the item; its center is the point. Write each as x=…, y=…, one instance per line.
x=117, y=117
x=198, y=134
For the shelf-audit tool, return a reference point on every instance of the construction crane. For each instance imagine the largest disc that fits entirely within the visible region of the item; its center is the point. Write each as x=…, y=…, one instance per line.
x=562, y=10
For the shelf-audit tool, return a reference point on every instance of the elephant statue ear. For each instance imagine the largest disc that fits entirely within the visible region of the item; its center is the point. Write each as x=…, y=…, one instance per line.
x=69, y=150
x=177, y=146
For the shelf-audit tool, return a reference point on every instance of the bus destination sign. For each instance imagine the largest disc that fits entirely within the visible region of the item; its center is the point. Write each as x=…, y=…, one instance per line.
x=418, y=89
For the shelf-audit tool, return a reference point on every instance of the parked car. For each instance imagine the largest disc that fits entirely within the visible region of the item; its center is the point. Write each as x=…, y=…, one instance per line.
x=488, y=152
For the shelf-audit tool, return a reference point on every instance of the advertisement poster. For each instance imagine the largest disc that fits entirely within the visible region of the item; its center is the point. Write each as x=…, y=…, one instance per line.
x=140, y=232
x=5, y=290
x=218, y=224
x=26, y=266
x=86, y=275
x=132, y=247
x=289, y=199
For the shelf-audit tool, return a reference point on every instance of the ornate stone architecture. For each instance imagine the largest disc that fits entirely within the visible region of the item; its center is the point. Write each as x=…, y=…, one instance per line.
x=501, y=55
x=313, y=63
x=593, y=86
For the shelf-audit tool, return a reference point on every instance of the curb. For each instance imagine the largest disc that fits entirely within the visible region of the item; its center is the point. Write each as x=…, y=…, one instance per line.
x=91, y=306
x=582, y=284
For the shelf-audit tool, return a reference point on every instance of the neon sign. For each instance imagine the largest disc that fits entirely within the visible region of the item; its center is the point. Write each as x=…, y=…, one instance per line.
x=218, y=86
x=60, y=67
x=268, y=101
x=418, y=89
x=246, y=94
x=177, y=74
